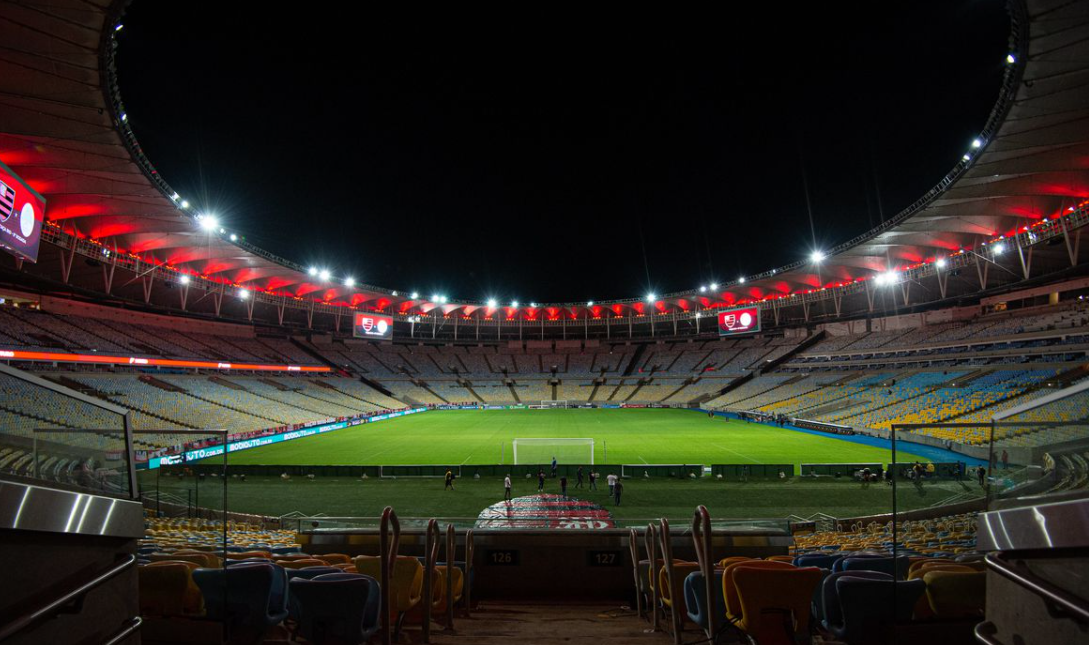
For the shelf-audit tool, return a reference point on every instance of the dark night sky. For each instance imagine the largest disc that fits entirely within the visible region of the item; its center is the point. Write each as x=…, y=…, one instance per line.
x=535, y=155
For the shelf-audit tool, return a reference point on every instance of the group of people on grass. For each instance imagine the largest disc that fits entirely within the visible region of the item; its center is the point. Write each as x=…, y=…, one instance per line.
x=616, y=488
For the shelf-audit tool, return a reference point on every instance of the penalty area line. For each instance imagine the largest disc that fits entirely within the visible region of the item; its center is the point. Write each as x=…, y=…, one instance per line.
x=742, y=455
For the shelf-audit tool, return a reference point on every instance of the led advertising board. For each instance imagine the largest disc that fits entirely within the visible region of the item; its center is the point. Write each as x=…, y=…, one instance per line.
x=63, y=357
x=22, y=211
x=372, y=326
x=740, y=320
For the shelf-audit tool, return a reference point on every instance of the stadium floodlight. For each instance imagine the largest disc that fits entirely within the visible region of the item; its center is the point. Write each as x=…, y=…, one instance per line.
x=124, y=116
x=879, y=279
x=714, y=285
x=208, y=222
x=313, y=271
x=349, y=282
x=492, y=303
x=977, y=143
x=243, y=294
x=324, y=275
x=966, y=157
x=514, y=304
x=234, y=238
x=651, y=297
x=184, y=279
x=1011, y=59
x=590, y=303
x=816, y=257
x=184, y=204
x=222, y=231
x=703, y=288
x=940, y=263
x=998, y=249
x=890, y=277
x=415, y=296
x=741, y=280
x=533, y=305
x=175, y=196
x=119, y=27
x=434, y=297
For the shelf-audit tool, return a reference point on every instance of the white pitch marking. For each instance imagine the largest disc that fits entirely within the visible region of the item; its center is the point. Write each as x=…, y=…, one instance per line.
x=743, y=456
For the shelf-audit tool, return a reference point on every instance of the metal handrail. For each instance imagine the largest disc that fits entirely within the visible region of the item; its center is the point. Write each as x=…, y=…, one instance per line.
x=701, y=540
x=633, y=549
x=451, y=547
x=667, y=564
x=651, y=539
x=57, y=604
x=467, y=594
x=388, y=555
x=130, y=627
x=1072, y=606
x=431, y=556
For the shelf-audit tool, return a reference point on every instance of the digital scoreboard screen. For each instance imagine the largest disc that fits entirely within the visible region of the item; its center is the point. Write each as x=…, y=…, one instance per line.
x=742, y=320
x=372, y=326
x=22, y=211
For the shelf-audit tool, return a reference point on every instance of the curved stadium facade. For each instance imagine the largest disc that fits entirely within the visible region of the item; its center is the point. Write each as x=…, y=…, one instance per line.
x=958, y=326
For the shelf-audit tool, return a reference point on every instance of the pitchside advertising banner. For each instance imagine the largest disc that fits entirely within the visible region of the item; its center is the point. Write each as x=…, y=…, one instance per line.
x=741, y=320
x=22, y=211
x=257, y=442
x=372, y=326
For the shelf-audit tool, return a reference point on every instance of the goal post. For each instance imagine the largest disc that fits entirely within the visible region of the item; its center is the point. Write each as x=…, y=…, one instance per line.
x=548, y=405
x=541, y=450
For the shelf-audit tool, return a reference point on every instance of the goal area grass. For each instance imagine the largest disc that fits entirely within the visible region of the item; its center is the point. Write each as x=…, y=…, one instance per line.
x=621, y=436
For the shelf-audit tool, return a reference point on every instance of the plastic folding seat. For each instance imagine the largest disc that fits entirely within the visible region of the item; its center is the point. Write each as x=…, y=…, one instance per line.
x=838, y=564
x=200, y=559
x=725, y=562
x=897, y=567
x=671, y=591
x=775, y=602
x=334, y=558
x=822, y=560
x=695, y=599
x=729, y=589
x=167, y=589
x=871, y=607
x=956, y=594
x=406, y=582
x=302, y=563
x=827, y=610
x=309, y=574
x=243, y=555
x=779, y=558
x=337, y=607
x=250, y=597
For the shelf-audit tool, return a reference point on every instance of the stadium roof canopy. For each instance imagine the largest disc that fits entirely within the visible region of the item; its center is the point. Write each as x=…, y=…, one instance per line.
x=1020, y=192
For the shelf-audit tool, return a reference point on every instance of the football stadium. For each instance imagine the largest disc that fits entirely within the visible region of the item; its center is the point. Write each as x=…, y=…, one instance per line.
x=885, y=440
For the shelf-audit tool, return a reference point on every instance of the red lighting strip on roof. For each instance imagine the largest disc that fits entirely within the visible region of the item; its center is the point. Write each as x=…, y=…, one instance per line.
x=151, y=362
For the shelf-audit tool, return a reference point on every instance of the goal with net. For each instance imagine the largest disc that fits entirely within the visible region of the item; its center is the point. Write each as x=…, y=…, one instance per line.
x=549, y=405
x=542, y=450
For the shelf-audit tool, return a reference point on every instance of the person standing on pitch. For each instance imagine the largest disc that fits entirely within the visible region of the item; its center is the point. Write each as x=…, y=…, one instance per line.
x=506, y=488
x=563, y=486
x=449, y=479
x=611, y=479
x=618, y=488
x=540, y=481
x=553, y=466
x=593, y=480
x=578, y=484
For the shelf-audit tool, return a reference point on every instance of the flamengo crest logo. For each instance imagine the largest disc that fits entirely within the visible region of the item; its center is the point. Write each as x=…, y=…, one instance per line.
x=367, y=324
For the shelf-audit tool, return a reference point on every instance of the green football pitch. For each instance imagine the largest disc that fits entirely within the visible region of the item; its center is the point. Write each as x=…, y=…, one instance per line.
x=628, y=436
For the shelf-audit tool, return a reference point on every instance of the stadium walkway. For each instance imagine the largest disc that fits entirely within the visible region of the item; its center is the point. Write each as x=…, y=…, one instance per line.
x=504, y=623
